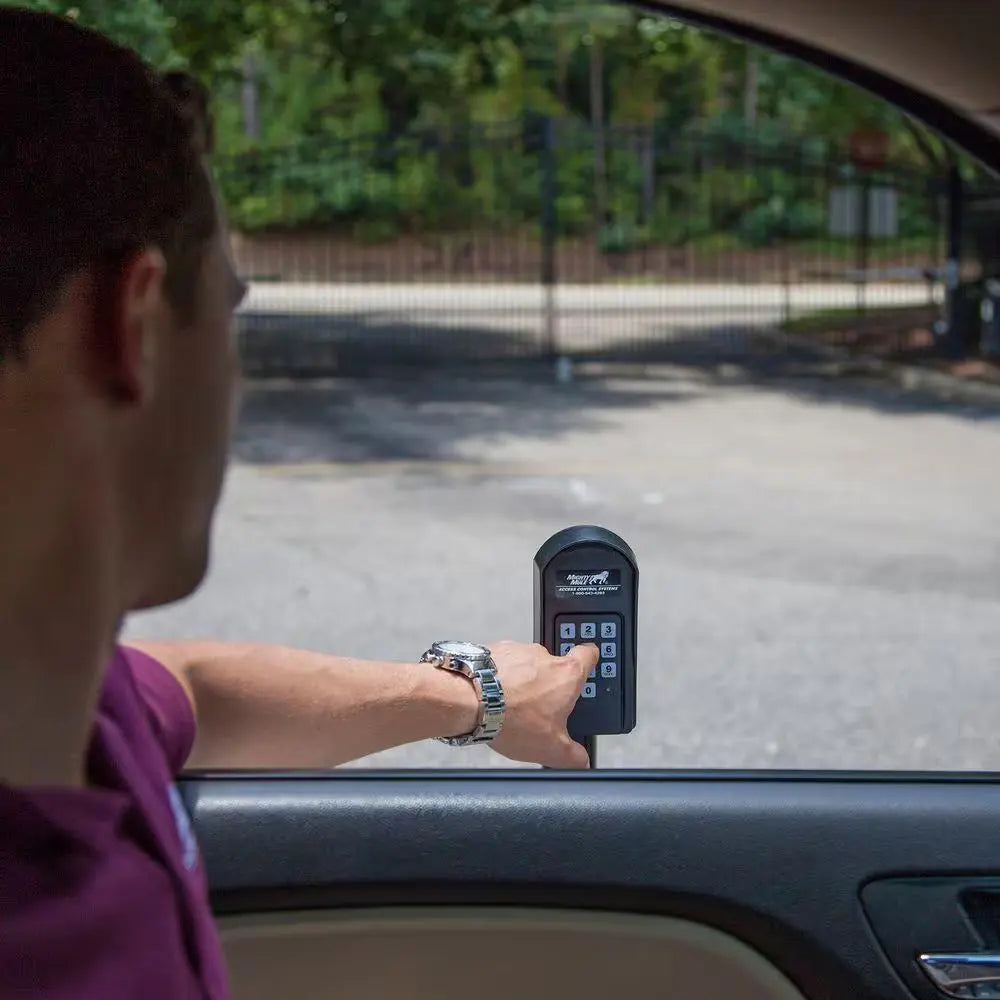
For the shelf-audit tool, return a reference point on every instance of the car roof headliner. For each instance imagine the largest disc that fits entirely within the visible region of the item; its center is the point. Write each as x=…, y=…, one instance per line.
x=939, y=50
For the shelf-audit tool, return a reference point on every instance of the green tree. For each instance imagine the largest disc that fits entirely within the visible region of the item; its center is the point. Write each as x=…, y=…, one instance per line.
x=430, y=55
x=299, y=83
x=144, y=25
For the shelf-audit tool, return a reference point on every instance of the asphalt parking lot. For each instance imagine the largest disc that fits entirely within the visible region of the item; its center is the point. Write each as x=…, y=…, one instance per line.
x=820, y=557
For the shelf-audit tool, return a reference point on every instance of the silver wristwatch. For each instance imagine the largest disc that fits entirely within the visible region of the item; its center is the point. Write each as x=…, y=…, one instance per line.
x=476, y=663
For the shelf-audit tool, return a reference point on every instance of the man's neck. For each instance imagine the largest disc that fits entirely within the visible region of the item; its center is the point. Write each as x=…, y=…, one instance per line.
x=47, y=711
x=57, y=628
x=62, y=595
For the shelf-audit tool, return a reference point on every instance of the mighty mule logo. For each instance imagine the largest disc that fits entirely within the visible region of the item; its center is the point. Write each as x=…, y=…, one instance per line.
x=588, y=583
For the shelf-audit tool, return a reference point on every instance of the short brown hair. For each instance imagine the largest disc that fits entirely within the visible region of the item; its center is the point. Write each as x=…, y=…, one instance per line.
x=100, y=157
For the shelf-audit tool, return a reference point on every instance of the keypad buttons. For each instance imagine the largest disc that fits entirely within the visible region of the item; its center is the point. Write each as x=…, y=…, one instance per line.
x=567, y=630
x=589, y=691
x=609, y=650
x=593, y=671
x=609, y=670
x=588, y=630
x=565, y=648
x=609, y=630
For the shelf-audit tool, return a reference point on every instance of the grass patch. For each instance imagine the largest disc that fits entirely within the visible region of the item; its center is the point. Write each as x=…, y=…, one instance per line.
x=841, y=318
x=847, y=249
x=720, y=242
x=827, y=319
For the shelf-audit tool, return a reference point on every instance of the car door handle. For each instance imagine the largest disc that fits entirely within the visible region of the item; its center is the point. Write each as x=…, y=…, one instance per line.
x=976, y=974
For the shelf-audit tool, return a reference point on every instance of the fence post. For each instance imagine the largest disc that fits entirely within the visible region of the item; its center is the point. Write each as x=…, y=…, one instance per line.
x=864, y=225
x=549, y=222
x=955, y=345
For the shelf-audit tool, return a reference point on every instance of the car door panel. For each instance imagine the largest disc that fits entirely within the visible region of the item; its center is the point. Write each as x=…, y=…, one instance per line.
x=437, y=952
x=777, y=861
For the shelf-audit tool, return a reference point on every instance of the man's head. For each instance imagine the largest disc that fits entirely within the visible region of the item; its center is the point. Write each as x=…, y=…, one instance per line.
x=117, y=362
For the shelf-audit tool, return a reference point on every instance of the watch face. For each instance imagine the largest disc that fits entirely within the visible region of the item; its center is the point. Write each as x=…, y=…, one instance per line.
x=463, y=650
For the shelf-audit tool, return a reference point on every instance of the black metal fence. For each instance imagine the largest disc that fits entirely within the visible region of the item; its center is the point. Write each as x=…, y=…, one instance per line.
x=544, y=238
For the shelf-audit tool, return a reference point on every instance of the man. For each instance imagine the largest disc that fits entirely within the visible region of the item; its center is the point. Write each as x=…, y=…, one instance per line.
x=117, y=376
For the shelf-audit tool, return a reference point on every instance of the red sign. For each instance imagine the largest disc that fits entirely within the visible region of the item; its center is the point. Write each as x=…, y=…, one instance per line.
x=869, y=148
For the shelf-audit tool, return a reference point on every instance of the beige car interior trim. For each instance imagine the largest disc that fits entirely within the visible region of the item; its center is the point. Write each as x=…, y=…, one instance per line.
x=941, y=47
x=490, y=953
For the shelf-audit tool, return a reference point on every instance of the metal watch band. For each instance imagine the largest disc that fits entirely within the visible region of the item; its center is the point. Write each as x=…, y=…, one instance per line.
x=492, y=703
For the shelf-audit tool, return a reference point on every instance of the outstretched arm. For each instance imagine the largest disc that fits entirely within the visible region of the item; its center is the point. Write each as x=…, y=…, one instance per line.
x=273, y=706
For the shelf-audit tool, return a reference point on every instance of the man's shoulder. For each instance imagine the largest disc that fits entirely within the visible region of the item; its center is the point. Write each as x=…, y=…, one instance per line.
x=134, y=675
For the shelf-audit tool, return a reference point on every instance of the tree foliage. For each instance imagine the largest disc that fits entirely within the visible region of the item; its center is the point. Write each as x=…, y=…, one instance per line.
x=324, y=77
x=144, y=25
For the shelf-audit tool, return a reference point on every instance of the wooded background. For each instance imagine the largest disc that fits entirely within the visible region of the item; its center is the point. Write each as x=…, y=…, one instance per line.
x=379, y=118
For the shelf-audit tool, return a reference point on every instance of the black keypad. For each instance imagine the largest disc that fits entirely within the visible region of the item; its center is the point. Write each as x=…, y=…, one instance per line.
x=604, y=631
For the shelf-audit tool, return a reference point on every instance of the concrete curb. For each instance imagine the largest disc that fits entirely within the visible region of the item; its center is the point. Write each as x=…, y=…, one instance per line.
x=910, y=378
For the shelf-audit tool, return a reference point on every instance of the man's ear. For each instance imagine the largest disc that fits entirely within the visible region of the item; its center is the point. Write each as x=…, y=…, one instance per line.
x=129, y=318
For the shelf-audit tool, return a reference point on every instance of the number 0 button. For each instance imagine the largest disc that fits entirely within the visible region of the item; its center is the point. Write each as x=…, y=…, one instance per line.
x=589, y=691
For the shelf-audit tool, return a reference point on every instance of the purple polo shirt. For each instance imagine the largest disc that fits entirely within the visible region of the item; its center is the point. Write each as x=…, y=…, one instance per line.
x=102, y=893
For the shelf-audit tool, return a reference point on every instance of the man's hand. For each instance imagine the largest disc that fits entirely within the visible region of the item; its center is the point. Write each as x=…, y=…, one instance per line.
x=541, y=690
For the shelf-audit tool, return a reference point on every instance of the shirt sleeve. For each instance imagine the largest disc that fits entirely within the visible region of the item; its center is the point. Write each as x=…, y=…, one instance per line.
x=168, y=707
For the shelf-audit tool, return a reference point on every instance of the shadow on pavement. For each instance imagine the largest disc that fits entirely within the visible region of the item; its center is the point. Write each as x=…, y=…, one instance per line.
x=751, y=360
x=423, y=416
x=397, y=390
x=409, y=392
x=365, y=343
